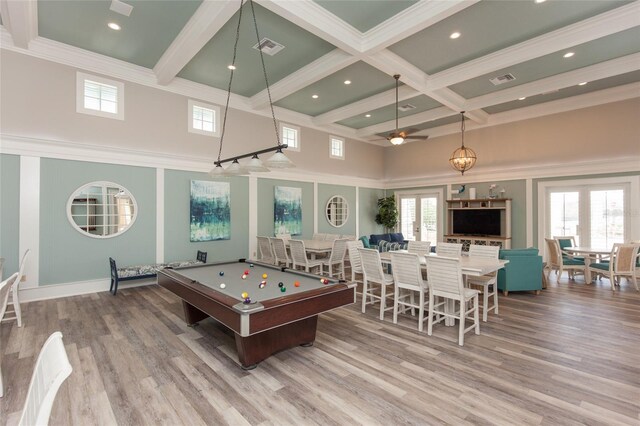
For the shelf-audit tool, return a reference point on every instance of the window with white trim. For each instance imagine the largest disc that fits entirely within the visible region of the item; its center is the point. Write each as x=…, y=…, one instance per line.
x=99, y=96
x=204, y=119
x=290, y=135
x=336, y=147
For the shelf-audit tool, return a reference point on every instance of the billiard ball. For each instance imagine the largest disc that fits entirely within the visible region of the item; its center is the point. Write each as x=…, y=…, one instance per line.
x=244, y=295
x=297, y=283
x=246, y=272
x=262, y=285
x=264, y=276
x=325, y=281
x=283, y=289
x=281, y=284
x=247, y=300
x=244, y=276
x=251, y=265
x=223, y=285
x=221, y=273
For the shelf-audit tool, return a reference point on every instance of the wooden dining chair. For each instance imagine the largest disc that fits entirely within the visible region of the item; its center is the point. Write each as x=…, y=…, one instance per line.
x=407, y=275
x=445, y=281
x=622, y=264
x=373, y=274
x=5, y=289
x=489, y=282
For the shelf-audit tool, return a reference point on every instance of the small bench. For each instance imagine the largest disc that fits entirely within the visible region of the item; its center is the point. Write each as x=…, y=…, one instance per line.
x=138, y=272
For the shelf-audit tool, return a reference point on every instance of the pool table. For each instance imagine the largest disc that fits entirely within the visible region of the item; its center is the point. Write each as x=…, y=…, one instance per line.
x=273, y=320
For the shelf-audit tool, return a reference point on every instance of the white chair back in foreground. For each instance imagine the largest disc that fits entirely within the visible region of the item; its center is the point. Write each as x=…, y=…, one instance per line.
x=407, y=275
x=489, y=282
x=373, y=274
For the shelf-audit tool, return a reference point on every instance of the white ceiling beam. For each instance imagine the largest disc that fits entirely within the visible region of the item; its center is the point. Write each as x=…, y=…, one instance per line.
x=404, y=122
x=318, y=21
x=606, y=69
x=410, y=21
x=611, y=22
x=365, y=105
x=316, y=70
x=208, y=19
x=20, y=18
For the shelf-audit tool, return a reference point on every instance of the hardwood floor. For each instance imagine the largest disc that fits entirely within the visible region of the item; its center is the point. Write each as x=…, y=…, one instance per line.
x=570, y=355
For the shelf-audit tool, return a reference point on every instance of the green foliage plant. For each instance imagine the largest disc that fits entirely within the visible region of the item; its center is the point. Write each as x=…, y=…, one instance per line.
x=387, y=213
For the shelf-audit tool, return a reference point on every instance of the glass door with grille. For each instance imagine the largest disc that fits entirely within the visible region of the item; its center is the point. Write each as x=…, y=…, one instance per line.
x=420, y=217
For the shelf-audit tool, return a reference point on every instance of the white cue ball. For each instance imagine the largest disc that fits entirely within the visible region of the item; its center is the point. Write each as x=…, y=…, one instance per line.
x=223, y=285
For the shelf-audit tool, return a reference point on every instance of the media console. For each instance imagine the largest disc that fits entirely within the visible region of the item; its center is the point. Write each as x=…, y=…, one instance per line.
x=479, y=221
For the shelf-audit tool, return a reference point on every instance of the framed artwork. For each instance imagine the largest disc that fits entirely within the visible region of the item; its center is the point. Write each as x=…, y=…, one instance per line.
x=287, y=210
x=210, y=211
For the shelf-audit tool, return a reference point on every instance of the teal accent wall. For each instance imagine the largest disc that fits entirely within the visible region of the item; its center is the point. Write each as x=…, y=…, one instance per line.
x=325, y=192
x=368, y=208
x=177, y=246
x=266, y=188
x=9, y=212
x=68, y=256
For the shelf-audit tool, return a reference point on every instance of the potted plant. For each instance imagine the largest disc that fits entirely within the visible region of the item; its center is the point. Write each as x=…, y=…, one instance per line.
x=387, y=213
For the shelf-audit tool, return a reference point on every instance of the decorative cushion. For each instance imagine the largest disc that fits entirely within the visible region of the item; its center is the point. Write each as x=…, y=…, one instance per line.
x=365, y=242
x=396, y=237
x=532, y=251
x=567, y=261
x=383, y=246
x=376, y=238
x=604, y=266
x=564, y=243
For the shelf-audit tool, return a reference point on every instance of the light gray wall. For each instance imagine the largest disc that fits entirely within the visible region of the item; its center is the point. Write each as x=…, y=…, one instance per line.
x=266, y=188
x=325, y=192
x=177, y=220
x=66, y=255
x=39, y=101
x=9, y=212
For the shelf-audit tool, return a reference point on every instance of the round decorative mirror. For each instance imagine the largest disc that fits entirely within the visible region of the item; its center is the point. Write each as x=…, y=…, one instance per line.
x=337, y=211
x=102, y=209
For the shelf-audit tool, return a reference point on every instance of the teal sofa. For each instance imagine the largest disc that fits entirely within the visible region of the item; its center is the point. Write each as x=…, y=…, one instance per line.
x=522, y=273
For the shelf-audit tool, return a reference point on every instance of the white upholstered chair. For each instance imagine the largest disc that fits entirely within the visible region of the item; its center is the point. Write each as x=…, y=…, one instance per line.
x=280, y=252
x=15, y=313
x=449, y=249
x=622, y=263
x=5, y=289
x=373, y=274
x=489, y=282
x=51, y=370
x=445, y=281
x=407, y=275
x=421, y=248
x=299, y=257
x=335, y=259
x=266, y=252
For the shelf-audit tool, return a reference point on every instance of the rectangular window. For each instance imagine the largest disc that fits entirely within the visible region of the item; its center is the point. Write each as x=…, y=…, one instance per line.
x=290, y=135
x=203, y=118
x=336, y=147
x=99, y=96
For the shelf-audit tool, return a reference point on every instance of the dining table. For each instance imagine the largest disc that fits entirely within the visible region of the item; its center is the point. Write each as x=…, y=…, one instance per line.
x=316, y=247
x=590, y=254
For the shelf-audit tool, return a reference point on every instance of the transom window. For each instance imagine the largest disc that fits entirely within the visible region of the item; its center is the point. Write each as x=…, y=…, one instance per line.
x=290, y=136
x=203, y=118
x=336, y=147
x=99, y=96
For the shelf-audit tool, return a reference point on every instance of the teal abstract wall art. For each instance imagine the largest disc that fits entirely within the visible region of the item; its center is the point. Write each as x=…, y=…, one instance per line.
x=287, y=210
x=210, y=210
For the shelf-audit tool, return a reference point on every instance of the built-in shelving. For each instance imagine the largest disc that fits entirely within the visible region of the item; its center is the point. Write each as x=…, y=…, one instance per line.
x=502, y=204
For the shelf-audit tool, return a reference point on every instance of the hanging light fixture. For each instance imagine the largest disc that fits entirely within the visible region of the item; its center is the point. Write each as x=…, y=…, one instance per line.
x=279, y=159
x=463, y=158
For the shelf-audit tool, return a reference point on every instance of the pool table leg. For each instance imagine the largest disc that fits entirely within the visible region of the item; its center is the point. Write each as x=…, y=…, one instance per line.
x=257, y=347
x=192, y=314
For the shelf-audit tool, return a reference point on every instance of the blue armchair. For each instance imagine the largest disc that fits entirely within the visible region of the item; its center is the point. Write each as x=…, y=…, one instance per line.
x=522, y=273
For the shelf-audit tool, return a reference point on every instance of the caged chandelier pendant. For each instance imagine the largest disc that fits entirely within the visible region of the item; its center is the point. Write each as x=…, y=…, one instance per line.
x=278, y=160
x=463, y=158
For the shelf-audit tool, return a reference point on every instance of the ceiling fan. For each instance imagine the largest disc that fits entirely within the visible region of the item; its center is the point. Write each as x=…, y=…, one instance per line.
x=398, y=137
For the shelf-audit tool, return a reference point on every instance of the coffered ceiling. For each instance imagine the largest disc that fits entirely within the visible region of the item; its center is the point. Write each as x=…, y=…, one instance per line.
x=186, y=45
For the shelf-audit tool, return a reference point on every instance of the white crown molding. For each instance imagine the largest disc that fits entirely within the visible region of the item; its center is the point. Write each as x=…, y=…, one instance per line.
x=365, y=105
x=318, y=21
x=316, y=70
x=611, y=22
x=571, y=78
x=534, y=171
x=207, y=20
x=64, y=150
x=410, y=120
x=21, y=19
x=409, y=21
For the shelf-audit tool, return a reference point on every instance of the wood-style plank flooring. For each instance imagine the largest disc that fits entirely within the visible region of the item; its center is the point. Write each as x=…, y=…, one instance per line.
x=570, y=355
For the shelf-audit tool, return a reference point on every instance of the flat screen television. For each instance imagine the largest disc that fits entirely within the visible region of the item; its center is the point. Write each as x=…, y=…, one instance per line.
x=477, y=222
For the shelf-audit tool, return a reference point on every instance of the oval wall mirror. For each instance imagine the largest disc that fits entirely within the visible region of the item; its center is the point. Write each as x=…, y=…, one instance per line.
x=102, y=209
x=337, y=211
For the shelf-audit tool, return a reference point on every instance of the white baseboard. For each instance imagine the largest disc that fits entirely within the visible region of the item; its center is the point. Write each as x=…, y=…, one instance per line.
x=55, y=291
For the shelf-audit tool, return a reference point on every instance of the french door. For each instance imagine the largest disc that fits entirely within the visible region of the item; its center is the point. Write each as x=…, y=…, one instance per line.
x=420, y=216
x=594, y=214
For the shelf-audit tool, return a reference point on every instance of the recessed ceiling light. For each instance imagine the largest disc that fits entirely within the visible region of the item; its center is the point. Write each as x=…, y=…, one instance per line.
x=540, y=1
x=314, y=96
x=113, y=26
x=568, y=55
x=454, y=35
x=368, y=115
x=522, y=98
x=582, y=84
x=347, y=82
x=231, y=67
